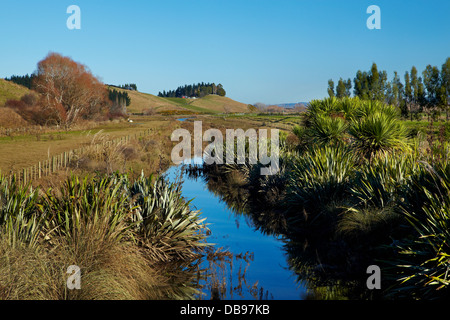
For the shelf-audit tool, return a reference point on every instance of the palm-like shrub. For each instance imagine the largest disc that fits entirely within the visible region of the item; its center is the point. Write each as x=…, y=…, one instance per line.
x=115, y=230
x=98, y=207
x=375, y=192
x=319, y=178
x=381, y=183
x=421, y=268
x=327, y=130
x=365, y=108
x=19, y=222
x=377, y=135
x=373, y=127
x=164, y=220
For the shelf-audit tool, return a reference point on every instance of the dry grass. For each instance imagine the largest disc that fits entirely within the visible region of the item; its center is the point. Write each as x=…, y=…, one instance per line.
x=141, y=102
x=220, y=104
x=10, y=119
x=110, y=270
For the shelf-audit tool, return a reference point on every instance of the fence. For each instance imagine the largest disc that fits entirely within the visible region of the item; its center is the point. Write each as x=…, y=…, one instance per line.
x=55, y=163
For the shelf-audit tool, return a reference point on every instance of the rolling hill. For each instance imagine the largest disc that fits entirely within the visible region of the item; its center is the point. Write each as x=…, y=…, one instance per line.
x=141, y=102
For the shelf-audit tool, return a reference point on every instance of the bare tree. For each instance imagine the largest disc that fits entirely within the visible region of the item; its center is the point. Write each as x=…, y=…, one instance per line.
x=69, y=89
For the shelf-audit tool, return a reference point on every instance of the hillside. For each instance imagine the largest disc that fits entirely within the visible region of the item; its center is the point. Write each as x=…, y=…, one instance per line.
x=10, y=90
x=208, y=104
x=142, y=101
x=220, y=104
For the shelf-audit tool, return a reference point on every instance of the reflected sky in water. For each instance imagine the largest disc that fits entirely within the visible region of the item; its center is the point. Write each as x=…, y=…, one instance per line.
x=268, y=269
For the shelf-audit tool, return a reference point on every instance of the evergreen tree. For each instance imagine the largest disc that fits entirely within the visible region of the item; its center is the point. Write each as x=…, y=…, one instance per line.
x=331, y=88
x=445, y=85
x=348, y=87
x=361, y=85
x=340, y=89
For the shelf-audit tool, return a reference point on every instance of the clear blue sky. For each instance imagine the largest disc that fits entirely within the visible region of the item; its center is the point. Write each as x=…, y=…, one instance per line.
x=275, y=51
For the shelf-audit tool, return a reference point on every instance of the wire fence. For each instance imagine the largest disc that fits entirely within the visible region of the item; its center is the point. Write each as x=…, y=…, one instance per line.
x=63, y=160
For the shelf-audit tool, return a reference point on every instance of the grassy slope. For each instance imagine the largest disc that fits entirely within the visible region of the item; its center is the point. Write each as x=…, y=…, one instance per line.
x=10, y=90
x=142, y=101
x=219, y=104
x=210, y=104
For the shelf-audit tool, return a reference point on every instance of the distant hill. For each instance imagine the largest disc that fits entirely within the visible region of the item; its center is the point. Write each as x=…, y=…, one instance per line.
x=140, y=102
x=292, y=105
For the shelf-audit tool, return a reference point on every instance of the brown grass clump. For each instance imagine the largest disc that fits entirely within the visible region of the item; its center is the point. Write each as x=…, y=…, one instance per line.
x=10, y=119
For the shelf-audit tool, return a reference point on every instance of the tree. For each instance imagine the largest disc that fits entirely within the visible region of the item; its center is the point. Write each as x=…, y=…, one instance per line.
x=374, y=82
x=431, y=80
x=220, y=90
x=445, y=85
x=25, y=81
x=69, y=89
x=331, y=88
x=361, y=85
x=348, y=87
x=394, y=93
x=408, y=93
x=341, y=89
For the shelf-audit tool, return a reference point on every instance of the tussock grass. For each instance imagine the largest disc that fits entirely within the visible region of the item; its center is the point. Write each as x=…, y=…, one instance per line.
x=119, y=232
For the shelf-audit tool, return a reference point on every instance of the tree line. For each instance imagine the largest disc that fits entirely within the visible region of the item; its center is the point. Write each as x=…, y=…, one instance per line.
x=425, y=92
x=195, y=90
x=26, y=80
x=127, y=86
x=120, y=99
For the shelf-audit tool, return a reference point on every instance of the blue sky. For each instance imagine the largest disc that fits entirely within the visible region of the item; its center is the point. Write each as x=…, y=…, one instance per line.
x=261, y=51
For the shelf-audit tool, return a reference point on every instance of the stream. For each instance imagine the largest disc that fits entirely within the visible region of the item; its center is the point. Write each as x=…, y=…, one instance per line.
x=253, y=265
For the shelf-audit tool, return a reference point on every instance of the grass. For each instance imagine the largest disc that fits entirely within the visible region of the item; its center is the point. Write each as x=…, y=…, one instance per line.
x=28, y=149
x=186, y=104
x=101, y=225
x=219, y=104
x=11, y=91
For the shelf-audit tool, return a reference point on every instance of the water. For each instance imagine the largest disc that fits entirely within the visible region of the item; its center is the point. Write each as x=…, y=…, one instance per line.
x=261, y=271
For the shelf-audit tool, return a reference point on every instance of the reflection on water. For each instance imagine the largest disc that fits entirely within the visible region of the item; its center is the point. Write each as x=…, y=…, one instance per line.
x=226, y=277
x=283, y=260
x=246, y=262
